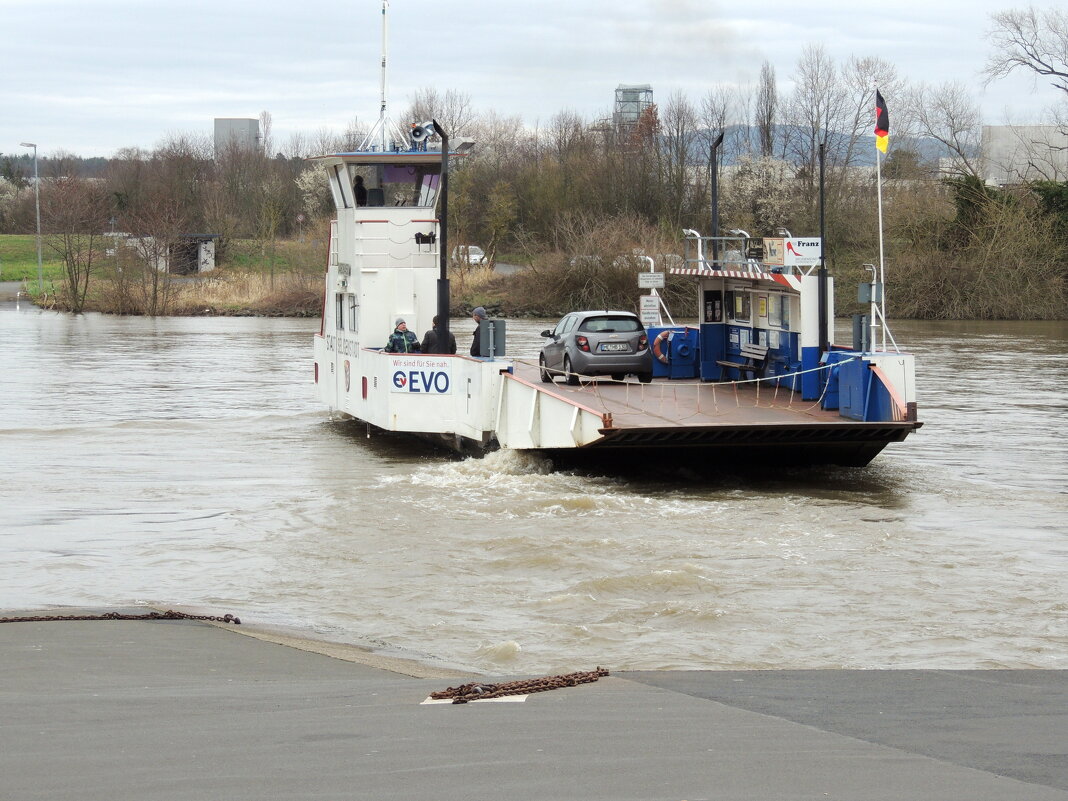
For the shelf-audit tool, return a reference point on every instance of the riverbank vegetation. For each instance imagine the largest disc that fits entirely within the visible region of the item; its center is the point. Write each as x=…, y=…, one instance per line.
x=578, y=204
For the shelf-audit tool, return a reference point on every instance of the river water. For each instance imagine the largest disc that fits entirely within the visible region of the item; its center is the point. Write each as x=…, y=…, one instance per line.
x=183, y=462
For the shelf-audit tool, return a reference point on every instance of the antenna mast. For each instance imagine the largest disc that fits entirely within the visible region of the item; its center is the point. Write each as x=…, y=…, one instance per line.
x=385, y=49
x=384, y=133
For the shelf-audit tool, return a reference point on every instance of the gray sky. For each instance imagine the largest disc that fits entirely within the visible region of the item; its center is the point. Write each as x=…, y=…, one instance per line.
x=91, y=76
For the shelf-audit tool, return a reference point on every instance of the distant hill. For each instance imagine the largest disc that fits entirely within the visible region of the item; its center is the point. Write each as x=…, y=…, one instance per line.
x=742, y=140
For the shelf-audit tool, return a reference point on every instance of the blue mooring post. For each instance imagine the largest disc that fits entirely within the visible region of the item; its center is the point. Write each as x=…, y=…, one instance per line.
x=444, y=301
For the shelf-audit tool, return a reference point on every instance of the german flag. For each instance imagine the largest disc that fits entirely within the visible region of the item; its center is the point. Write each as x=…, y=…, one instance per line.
x=882, y=122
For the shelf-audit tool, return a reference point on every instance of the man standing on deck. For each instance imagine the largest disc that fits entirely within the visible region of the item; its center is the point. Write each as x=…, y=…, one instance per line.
x=401, y=340
x=479, y=316
x=431, y=338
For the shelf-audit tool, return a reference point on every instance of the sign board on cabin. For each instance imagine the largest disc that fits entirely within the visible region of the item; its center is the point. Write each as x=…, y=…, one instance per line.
x=650, y=280
x=792, y=251
x=773, y=250
x=649, y=309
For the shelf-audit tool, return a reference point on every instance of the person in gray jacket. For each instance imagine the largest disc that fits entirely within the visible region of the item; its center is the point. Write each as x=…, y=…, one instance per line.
x=479, y=316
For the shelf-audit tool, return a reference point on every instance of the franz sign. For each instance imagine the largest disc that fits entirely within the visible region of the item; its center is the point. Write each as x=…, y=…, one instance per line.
x=793, y=251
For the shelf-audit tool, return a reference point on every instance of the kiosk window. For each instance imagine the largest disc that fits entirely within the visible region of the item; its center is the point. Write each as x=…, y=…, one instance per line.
x=775, y=303
x=713, y=306
x=738, y=305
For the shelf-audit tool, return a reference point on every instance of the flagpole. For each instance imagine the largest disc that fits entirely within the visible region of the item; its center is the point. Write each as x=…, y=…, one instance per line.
x=881, y=301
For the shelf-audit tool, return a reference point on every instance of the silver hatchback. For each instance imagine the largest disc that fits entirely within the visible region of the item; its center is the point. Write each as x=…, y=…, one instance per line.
x=591, y=343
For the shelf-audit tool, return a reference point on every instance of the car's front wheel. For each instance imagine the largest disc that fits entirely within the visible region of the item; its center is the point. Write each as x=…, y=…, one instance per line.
x=546, y=376
x=645, y=378
x=571, y=377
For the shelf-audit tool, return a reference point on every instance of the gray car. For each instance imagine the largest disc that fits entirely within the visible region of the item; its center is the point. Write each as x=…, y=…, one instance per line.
x=591, y=343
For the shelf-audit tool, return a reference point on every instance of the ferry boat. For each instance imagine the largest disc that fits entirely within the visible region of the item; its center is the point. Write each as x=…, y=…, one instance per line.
x=758, y=377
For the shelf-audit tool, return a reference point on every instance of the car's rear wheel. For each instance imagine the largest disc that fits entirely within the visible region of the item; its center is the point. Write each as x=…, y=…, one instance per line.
x=645, y=378
x=618, y=376
x=546, y=376
x=569, y=374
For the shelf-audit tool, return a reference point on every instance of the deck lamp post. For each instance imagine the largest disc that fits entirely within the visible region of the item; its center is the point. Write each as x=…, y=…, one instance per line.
x=37, y=200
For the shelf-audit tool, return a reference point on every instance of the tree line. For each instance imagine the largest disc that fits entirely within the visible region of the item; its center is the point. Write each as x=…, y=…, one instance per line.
x=595, y=188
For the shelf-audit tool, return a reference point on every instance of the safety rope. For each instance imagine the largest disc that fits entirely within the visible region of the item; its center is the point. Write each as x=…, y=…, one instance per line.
x=170, y=614
x=592, y=383
x=480, y=691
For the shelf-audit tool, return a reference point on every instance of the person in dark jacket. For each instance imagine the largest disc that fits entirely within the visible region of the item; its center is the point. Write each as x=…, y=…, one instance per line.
x=479, y=316
x=401, y=340
x=360, y=191
x=430, y=339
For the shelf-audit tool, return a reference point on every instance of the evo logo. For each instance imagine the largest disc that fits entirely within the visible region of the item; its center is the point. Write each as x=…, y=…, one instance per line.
x=423, y=382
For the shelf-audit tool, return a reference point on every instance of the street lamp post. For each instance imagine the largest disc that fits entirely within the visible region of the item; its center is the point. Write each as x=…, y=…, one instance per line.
x=37, y=200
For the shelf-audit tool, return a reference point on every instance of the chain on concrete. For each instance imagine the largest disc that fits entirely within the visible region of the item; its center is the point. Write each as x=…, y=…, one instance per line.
x=480, y=692
x=168, y=615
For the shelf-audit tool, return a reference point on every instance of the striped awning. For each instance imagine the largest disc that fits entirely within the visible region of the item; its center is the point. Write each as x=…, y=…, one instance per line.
x=790, y=281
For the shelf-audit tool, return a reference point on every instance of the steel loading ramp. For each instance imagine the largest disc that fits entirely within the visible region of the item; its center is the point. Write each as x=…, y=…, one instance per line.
x=747, y=420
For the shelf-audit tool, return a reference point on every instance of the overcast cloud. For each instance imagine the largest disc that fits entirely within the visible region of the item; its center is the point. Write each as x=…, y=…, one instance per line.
x=92, y=76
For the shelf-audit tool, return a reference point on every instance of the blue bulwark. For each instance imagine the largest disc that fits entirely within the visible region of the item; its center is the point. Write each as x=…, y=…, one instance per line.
x=811, y=379
x=861, y=394
x=712, y=347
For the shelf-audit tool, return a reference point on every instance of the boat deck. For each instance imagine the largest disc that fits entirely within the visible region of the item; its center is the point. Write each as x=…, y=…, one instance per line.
x=754, y=419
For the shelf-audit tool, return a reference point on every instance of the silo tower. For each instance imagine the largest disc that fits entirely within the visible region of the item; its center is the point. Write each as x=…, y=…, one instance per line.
x=631, y=101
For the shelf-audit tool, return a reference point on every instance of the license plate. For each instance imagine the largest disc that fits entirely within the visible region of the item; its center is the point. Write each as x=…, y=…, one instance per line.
x=614, y=347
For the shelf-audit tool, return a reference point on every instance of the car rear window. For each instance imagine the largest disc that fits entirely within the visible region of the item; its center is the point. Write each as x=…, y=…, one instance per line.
x=610, y=325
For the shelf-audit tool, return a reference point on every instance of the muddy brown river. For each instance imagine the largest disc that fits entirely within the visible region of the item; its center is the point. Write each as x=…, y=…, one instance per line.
x=184, y=462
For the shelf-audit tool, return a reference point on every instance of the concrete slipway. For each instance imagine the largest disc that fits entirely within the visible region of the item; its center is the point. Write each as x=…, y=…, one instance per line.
x=193, y=710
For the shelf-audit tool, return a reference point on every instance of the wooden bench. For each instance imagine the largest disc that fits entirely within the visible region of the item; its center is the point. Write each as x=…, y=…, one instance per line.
x=756, y=360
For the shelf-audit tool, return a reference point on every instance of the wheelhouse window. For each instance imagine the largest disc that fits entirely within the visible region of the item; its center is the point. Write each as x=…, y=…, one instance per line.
x=340, y=187
x=339, y=311
x=354, y=310
x=398, y=184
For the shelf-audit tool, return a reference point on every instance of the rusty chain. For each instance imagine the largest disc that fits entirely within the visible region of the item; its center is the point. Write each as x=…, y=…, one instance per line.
x=170, y=614
x=479, y=692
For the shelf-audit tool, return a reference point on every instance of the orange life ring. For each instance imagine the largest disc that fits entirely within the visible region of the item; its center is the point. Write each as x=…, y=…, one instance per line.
x=663, y=336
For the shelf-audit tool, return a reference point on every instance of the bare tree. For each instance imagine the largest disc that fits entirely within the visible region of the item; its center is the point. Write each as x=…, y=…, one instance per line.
x=266, y=137
x=949, y=114
x=567, y=134
x=816, y=108
x=1031, y=40
x=452, y=109
x=860, y=77
x=156, y=225
x=765, y=109
x=73, y=213
x=715, y=115
x=678, y=139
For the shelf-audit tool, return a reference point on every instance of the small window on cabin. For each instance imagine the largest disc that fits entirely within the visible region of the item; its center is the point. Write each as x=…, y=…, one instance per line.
x=339, y=311
x=354, y=311
x=342, y=189
x=785, y=310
